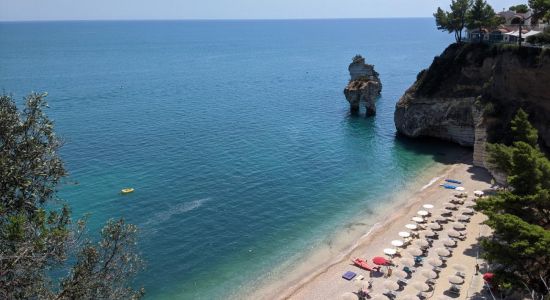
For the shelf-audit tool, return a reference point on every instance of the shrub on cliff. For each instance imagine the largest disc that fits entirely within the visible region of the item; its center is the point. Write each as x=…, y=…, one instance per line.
x=37, y=235
x=520, y=217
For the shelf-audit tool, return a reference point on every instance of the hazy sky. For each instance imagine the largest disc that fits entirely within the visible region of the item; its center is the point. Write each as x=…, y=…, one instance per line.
x=221, y=9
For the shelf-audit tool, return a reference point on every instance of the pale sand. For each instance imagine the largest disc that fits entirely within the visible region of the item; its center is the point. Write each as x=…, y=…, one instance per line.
x=326, y=283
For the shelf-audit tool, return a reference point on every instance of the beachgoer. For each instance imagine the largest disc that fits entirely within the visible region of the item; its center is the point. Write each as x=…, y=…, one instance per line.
x=477, y=269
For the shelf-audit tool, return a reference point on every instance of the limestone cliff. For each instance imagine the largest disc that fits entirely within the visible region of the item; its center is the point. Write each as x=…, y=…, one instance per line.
x=364, y=86
x=470, y=92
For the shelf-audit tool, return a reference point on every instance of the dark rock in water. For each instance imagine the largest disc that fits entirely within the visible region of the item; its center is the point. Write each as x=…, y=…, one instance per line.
x=364, y=86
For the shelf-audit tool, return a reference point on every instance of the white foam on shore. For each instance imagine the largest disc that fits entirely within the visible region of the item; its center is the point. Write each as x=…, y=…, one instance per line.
x=360, y=239
x=430, y=183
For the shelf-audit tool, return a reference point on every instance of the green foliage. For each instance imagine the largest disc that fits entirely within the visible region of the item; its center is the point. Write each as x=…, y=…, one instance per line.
x=541, y=8
x=520, y=251
x=480, y=16
x=522, y=130
x=500, y=156
x=37, y=235
x=453, y=21
x=520, y=8
x=520, y=217
x=542, y=38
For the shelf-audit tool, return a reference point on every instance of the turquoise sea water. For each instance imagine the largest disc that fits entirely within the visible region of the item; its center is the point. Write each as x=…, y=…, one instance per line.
x=235, y=134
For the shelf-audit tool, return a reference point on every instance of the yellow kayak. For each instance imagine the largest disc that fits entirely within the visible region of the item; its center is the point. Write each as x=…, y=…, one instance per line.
x=127, y=190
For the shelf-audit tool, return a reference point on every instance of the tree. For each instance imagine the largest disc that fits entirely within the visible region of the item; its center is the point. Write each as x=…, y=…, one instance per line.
x=37, y=234
x=522, y=130
x=480, y=16
x=520, y=217
x=541, y=9
x=453, y=21
x=520, y=8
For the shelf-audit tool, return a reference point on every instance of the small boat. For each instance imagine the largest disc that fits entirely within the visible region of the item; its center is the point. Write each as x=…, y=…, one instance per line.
x=363, y=264
x=453, y=181
x=127, y=190
x=448, y=186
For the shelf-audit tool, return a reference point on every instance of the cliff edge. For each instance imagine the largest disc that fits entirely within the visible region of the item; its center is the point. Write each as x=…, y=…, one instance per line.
x=470, y=92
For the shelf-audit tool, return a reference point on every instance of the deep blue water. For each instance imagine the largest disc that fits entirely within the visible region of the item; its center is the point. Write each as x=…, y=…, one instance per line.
x=235, y=134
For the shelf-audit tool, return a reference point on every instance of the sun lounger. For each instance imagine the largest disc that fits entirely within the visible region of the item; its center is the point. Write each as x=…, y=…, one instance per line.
x=460, y=274
x=448, y=186
x=349, y=275
x=453, y=181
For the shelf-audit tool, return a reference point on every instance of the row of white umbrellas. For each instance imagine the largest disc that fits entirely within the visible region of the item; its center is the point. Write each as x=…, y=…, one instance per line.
x=416, y=251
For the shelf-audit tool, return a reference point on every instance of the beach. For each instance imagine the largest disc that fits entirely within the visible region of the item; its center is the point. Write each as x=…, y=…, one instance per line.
x=326, y=282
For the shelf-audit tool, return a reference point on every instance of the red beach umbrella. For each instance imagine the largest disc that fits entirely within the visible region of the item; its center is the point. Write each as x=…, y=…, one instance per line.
x=488, y=277
x=378, y=260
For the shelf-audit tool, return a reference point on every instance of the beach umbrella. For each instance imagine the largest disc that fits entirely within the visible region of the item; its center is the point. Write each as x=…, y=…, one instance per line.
x=428, y=233
x=460, y=188
x=381, y=261
x=440, y=218
x=422, y=213
x=428, y=206
x=459, y=268
x=469, y=203
x=488, y=277
x=434, y=226
x=458, y=226
x=448, y=242
x=453, y=233
x=397, y=243
x=404, y=234
x=463, y=218
x=390, y=251
x=418, y=219
x=435, y=262
x=391, y=285
x=449, y=205
x=478, y=193
x=414, y=251
x=467, y=211
x=362, y=284
x=411, y=226
x=407, y=261
x=455, y=279
x=348, y=296
x=442, y=252
x=420, y=286
x=421, y=243
x=429, y=274
x=400, y=274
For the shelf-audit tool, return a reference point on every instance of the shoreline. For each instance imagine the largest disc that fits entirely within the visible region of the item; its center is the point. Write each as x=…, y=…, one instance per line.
x=301, y=281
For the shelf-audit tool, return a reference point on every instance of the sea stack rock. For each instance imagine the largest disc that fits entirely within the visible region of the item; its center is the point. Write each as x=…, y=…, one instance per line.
x=364, y=86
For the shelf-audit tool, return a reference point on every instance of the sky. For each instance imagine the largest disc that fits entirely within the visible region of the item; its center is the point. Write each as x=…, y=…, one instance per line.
x=28, y=10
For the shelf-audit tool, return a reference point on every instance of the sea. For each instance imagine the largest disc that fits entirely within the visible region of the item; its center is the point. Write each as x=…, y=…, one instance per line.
x=235, y=135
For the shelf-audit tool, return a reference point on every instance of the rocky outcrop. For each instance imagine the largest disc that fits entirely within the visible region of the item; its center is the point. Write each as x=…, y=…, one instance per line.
x=470, y=93
x=364, y=86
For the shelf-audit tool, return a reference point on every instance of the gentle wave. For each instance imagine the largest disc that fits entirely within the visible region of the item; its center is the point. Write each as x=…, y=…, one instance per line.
x=430, y=183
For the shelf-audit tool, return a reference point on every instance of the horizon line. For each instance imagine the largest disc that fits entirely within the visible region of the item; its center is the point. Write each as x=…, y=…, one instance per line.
x=205, y=19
